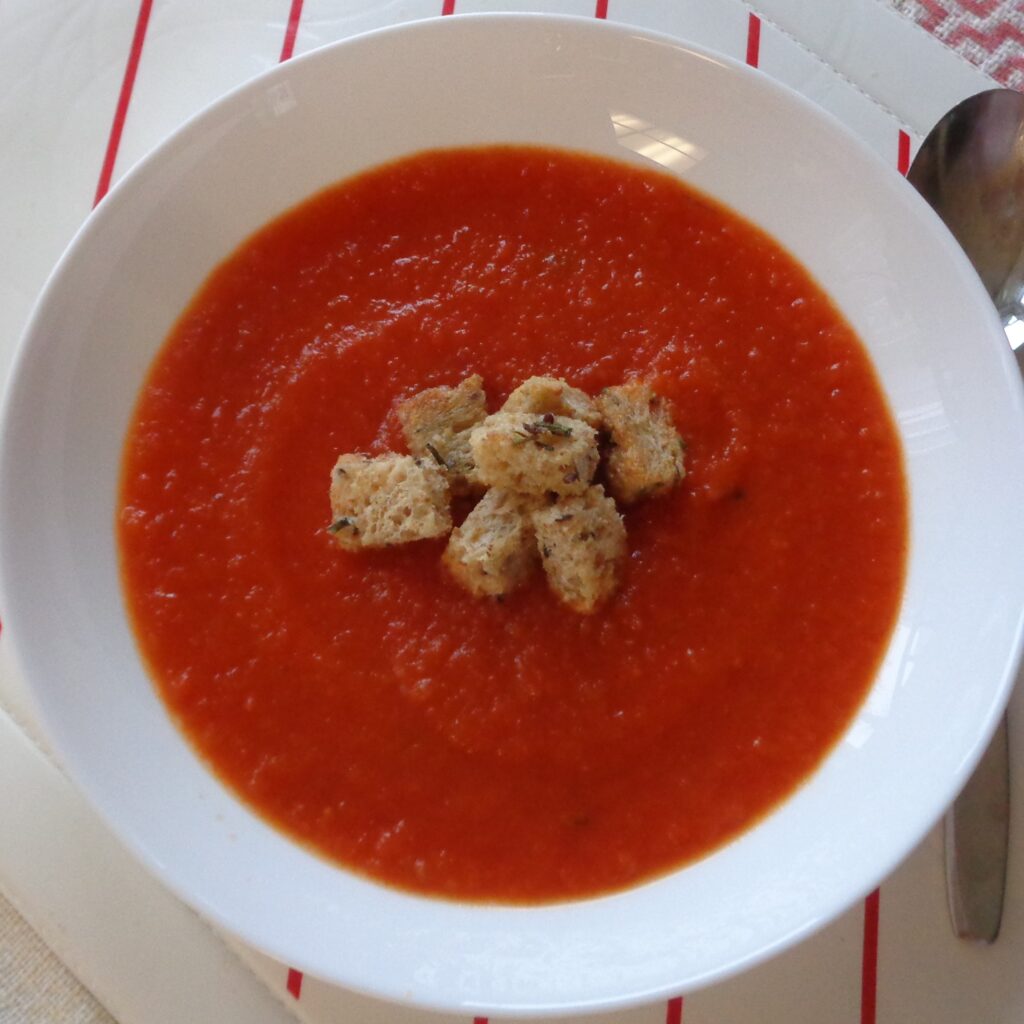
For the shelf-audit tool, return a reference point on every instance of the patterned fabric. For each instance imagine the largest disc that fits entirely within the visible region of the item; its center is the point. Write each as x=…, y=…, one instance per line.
x=989, y=33
x=37, y=987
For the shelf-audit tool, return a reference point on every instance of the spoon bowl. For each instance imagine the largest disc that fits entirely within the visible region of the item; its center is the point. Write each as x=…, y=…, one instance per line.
x=970, y=169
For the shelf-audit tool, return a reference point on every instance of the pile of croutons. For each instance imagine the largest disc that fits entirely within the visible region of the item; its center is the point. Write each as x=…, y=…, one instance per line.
x=531, y=465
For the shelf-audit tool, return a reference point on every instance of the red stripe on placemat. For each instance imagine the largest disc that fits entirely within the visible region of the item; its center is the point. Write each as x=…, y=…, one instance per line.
x=869, y=961
x=479, y=1020
x=601, y=10
x=123, y=99
x=292, y=30
x=903, y=153
x=753, y=40
x=674, y=1011
x=448, y=7
x=294, y=983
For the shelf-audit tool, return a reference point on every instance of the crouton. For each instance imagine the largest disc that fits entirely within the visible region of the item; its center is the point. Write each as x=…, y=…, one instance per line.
x=533, y=454
x=646, y=456
x=549, y=394
x=582, y=542
x=495, y=549
x=436, y=423
x=391, y=499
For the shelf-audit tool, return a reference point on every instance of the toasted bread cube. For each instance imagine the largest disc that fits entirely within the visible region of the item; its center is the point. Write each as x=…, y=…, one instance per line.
x=550, y=394
x=495, y=549
x=533, y=454
x=582, y=542
x=391, y=499
x=646, y=457
x=436, y=423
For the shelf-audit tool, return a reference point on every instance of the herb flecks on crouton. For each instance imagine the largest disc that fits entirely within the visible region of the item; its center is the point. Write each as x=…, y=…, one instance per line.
x=535, y=460
x=582, y=543
x=534, y=454
x=390, y=499
x=495, y=550
x=646, y=456
x=437, y=423
x=551, y=395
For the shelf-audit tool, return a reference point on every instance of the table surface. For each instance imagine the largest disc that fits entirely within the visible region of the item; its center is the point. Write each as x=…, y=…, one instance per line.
x=72, y=66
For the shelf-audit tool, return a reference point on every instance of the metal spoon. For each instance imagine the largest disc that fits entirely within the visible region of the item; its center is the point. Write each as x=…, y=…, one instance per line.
x=970, y=169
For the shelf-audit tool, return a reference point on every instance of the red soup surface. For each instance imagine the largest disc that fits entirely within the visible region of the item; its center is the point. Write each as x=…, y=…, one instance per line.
x=374, y=711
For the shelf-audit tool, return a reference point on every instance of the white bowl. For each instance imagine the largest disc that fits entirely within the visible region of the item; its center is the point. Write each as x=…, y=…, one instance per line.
x=870, y=242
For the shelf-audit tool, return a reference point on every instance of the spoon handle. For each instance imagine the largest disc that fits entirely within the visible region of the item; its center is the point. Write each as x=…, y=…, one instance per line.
x=976, y=835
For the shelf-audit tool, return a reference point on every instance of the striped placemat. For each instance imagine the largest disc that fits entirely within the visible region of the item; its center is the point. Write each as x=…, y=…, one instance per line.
x=89, y=87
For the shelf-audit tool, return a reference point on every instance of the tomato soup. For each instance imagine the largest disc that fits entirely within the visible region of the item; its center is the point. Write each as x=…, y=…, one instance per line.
x=368, y=707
